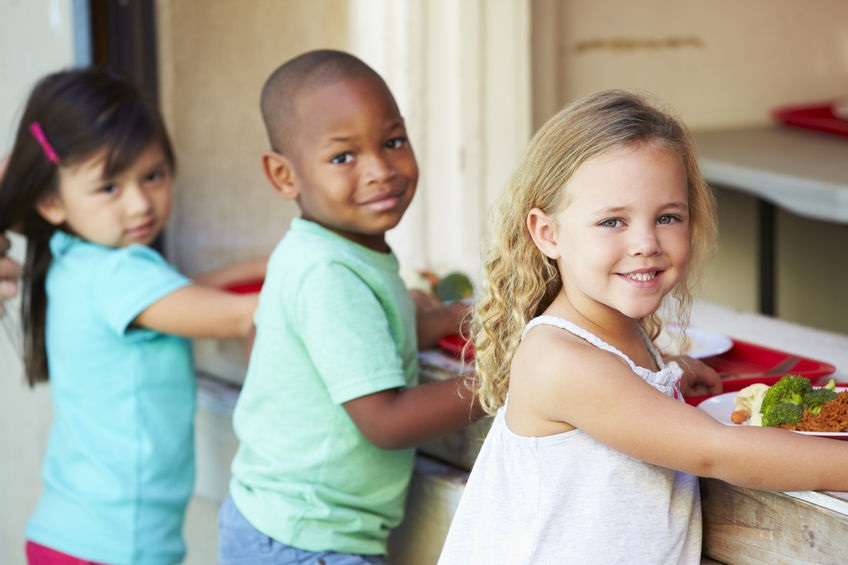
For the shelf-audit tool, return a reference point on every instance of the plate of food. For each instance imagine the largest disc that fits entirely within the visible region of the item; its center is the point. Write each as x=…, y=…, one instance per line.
x=695, y=342
x=820, y=411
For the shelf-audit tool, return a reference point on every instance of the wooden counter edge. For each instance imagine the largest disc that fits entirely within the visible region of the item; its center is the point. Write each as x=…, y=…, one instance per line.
x=744, y=526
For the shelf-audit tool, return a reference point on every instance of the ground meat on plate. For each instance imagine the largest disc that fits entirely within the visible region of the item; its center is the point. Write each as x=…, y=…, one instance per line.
x=832, y=418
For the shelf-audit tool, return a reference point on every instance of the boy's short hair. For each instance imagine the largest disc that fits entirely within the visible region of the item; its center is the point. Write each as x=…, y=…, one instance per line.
x=297, y=76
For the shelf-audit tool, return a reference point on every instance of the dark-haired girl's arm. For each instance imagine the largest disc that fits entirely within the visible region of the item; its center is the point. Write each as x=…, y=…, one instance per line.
x=204, y=309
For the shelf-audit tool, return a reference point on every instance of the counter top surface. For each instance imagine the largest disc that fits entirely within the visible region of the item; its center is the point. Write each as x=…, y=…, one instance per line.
x=799, y=170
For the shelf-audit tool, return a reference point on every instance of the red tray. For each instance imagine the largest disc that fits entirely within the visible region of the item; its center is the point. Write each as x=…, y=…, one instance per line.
x=248, y=287
x=453, y=344
x=742, y=365
x=747, y=363
x=819, y=117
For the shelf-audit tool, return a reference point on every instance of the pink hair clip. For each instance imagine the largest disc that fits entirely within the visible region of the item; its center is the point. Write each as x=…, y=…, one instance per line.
x=38, y=134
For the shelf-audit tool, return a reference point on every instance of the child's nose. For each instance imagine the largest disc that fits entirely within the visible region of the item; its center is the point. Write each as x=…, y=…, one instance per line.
x=138, y=200
x=645, y=242
x=379, y=168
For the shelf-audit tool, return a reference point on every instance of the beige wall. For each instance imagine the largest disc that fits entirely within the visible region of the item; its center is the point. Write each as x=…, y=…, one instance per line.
x=35, y=38
x=720, y=63
x=214, y=58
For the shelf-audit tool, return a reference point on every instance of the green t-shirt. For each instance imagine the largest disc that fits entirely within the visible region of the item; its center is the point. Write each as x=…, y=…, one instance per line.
x=334, y=323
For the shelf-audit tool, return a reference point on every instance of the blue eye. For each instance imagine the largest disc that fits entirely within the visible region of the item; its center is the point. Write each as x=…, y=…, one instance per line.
x=109, y=188
x=667, y=219
x=612, y=223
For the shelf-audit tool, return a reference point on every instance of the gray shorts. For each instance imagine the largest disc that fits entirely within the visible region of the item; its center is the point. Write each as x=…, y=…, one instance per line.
x=239, y=543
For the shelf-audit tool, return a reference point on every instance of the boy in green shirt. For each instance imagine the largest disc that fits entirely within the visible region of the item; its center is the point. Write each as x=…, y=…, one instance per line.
x=331, y=409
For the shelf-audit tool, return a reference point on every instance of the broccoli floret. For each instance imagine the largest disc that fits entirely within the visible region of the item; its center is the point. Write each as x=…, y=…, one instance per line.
x=815, y=398
x=782, y=413
x=791, y=389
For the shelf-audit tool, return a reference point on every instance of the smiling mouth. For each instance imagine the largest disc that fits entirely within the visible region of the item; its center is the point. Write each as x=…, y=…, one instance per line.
x=642, y=277
x=384, y=201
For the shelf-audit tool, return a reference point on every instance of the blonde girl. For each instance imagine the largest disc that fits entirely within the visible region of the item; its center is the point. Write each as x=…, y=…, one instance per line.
x=593, y=455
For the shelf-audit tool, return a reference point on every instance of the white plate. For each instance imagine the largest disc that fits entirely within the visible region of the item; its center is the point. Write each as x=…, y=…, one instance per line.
x=701, y=343
x=721, y=407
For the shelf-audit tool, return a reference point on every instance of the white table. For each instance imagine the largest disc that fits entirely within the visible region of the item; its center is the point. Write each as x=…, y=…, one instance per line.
x=804, y=172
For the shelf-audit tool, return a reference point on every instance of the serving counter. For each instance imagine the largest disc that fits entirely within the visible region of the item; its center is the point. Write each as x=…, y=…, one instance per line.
x=741, y=526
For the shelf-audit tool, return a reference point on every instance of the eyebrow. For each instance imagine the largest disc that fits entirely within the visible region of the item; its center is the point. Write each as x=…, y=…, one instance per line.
x=619, y=209
x=399, y=124
x=161, y=163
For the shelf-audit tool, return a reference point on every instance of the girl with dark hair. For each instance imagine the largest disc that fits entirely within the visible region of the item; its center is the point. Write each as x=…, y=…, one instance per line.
x=106, y=318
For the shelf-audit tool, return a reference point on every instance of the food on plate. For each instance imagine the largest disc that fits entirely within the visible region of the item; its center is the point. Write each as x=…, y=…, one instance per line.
x=453, y=287
x=792, y=403
x=747, y=405
x=832, y=417
x=784, y=402
x=422, y=280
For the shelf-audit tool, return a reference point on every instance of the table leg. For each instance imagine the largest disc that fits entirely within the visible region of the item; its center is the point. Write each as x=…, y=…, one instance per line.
x=767, y=260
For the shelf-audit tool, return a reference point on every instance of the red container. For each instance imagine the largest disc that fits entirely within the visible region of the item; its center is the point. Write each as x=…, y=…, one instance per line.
x=819, y=117
x=747, y=363
x=454, y=345
x=248, y=287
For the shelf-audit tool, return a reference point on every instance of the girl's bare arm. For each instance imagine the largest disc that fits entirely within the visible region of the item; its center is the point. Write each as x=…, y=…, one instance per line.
x=201, y=311
x=580, y=386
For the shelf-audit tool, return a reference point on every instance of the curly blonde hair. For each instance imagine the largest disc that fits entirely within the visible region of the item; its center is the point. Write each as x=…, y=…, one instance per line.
x=519, y=281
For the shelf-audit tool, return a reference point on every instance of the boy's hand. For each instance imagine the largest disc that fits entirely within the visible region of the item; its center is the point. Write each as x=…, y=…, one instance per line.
x=435, y=319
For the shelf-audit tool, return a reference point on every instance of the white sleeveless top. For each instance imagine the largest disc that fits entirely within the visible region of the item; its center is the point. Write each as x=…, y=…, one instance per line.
x=567, y=498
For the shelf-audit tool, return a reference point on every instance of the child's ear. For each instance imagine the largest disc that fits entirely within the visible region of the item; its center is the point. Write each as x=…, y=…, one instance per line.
x=51, y=209
x=543, y=230
x=279, y=171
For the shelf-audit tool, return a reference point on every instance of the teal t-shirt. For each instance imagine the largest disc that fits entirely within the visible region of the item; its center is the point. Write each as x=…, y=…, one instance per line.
x=119, y=467
x=334, y=323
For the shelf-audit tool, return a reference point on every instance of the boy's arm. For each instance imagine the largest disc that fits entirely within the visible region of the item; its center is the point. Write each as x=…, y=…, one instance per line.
x=403, y=418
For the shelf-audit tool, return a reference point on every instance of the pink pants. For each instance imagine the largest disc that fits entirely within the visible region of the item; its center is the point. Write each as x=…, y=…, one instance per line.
x=41, y=555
